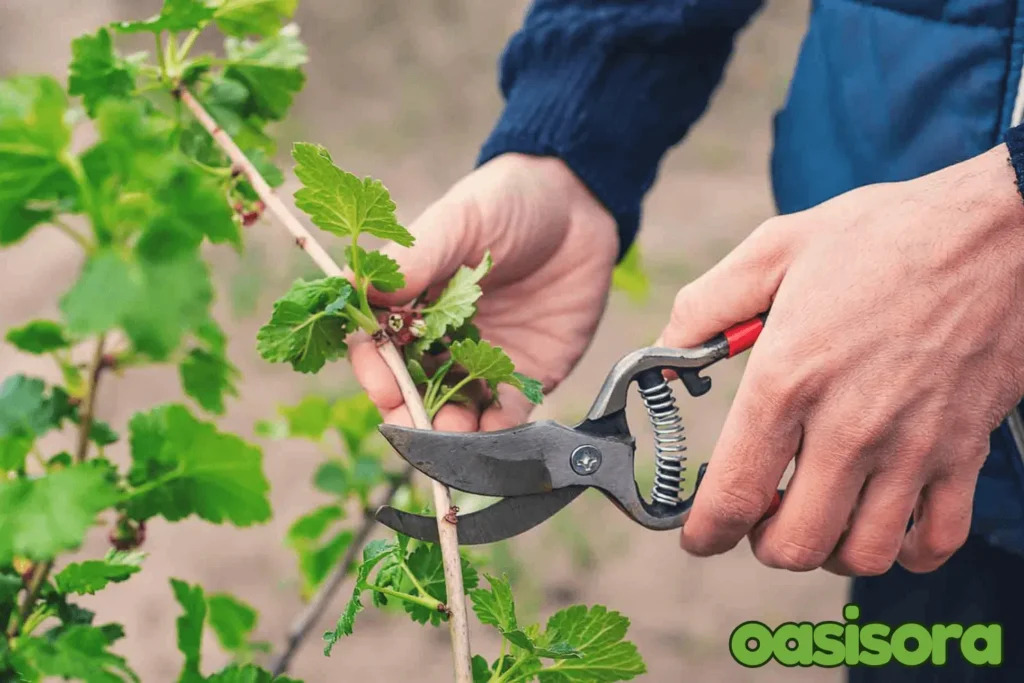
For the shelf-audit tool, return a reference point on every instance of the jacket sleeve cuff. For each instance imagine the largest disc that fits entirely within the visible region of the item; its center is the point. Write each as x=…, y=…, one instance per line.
x=608, y=101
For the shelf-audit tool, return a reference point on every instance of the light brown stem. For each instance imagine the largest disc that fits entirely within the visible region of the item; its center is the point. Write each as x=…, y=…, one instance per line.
x=266, y=193
x=458, y=625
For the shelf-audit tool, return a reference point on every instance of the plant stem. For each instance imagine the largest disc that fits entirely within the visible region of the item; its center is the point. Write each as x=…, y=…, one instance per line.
x=42, y=571
x=78, y=237
x=451, y=392
x=302, y=625
x=416, y=582
x=511, y=669
x=160, y=58
x=458, y=625
x=449, y=542
x=428, y=602
x=303, y=238
x=187, y=44
x=89, y=402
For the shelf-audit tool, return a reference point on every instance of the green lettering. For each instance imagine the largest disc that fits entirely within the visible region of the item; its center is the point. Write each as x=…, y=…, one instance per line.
x=922, y=649
x=852, y=633
x=746, y=634
x=828, y=644
x=992, y=636
x=940, y=634
x=851, y=612
x=794, y=644
x=873, y=637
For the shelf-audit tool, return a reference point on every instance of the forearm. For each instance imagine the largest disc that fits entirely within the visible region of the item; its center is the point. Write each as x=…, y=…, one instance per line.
x=610, y=86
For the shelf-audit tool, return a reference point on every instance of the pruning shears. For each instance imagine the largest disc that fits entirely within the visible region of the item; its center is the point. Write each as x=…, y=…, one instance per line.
x=539, y=468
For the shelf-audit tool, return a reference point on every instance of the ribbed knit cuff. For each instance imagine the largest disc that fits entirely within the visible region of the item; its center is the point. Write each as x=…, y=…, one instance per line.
x=608, y=112
x=1015, y=144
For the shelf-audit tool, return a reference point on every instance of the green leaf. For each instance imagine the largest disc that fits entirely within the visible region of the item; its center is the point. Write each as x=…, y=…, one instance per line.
x=96, y=72
x=27, y=413
x=190, y=204
x=232, y=620
x=491, y=364
x=253, y=17
x=190, y=629
x=38, y=337
x=206, y=373
x=380, y=270
x=85, y=578
x=356, y=419
x=484, y=361
x=341, y=203
x=33, y=142
x=77, y=652
x=301, y=331
x=155, y=303
x=142, y=183
x=209, y=378
x=416, y=372
x=176, y=15
x=248, y=673
x=481, y=670
x=13, y=452
x=495, y=606
x=309, y=418
x=426, y=564
x=457, y=303
x=332, y=477
x=40, y=518
x=629, y=276
x=598, y=635
x=315, y=563
x=182, y=466
x=531, y=388
x=308, y=529
x=270, y=69
x=374, y=552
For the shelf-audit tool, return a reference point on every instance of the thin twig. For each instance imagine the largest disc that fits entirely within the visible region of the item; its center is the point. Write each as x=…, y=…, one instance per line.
x=41, y=572
x=303, y=238
x=458, y=624
x=309, y=616
x=452, y=560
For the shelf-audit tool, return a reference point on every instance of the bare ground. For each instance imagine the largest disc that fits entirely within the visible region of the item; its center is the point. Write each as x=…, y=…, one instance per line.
x=406, y=92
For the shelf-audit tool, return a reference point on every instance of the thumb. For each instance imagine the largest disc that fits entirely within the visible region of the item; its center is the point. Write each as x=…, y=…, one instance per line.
x=446, y=238
x=736, y=289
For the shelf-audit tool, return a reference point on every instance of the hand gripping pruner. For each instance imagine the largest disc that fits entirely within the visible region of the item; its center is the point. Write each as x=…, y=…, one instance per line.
x=541, y=467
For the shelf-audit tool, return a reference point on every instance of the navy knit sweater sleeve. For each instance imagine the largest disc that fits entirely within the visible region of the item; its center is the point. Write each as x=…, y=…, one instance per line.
x=609, y=86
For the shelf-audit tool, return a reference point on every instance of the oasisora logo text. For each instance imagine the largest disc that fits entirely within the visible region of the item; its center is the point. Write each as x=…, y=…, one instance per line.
x=832, y=644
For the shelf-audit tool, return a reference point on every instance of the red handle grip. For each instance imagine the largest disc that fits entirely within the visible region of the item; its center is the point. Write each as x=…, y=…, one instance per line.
x=742, y=336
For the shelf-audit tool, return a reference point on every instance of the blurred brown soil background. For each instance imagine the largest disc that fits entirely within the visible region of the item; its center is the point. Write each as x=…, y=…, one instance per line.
x=406, y=91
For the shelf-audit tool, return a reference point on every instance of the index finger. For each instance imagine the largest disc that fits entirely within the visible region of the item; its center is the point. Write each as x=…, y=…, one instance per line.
x=760, y=437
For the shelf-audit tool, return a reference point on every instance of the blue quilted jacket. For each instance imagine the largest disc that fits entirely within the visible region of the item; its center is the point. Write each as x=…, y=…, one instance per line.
x=884, y=90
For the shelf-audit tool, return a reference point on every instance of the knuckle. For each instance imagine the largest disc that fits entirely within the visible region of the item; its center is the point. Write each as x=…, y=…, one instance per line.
x=733, y=508
x=868, y=559
x=792, y=555
x=940, y=545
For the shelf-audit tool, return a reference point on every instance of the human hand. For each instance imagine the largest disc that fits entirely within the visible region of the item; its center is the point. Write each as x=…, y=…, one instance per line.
x=554, y=248
x=892, y=350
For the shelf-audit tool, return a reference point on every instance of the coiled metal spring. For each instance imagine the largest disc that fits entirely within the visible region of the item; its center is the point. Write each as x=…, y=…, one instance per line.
x=669, y=439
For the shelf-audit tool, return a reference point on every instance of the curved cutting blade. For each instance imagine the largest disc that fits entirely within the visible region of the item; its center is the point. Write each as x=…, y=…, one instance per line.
x=507, y=518
x=524, y=460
